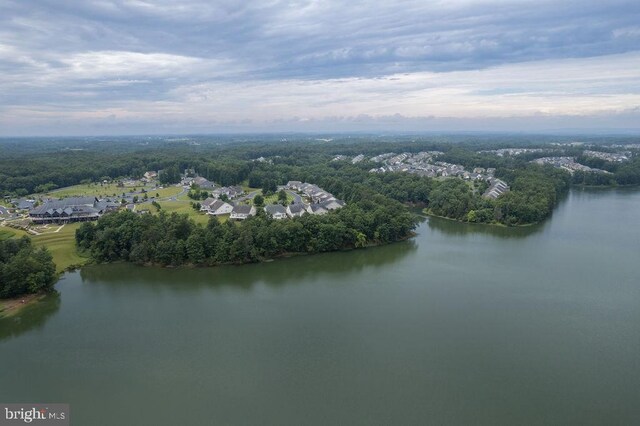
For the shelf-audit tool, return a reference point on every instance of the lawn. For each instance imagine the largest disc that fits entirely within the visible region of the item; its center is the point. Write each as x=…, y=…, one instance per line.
x=61, y=245
x=171, y=191
x=273, y=199
x=178, y=207
x=95, y=189
x=109, y=189
x=5, y=234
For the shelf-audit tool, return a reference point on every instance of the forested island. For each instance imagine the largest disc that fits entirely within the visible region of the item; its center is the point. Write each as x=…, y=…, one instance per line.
x=155, y=193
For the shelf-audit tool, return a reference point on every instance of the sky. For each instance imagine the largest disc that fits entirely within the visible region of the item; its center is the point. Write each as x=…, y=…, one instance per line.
x=100, y=67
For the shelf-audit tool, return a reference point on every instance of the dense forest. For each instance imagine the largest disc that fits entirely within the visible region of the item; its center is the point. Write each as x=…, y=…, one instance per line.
x=24, y=269
x=31, y=166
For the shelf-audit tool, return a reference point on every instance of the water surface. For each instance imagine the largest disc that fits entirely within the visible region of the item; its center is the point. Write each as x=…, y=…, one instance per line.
x=462, y=325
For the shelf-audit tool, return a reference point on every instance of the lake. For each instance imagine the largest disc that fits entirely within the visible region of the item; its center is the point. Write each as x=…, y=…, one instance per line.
x=464, y=324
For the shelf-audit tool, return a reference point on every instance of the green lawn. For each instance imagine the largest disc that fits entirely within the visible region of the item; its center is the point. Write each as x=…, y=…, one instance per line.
x=273, y=199
x=6, y=234
x=170, y=191
x=179, y=206
x=61, y=245
x=107, y=190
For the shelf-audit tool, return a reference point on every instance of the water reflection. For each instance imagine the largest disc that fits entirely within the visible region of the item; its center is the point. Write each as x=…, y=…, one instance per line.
x=281, y=272
x=453, y=228
x=31, y=317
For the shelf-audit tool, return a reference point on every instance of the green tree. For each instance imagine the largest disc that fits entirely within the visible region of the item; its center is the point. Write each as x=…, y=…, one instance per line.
x=282, y=197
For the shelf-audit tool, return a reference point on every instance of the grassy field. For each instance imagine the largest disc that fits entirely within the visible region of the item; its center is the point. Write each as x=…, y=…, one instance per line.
x=180, y=206
x=98, y=190
x=61, y=245
x=273, y=199
x=108, y=190
x=171, y=191
x=6, y=234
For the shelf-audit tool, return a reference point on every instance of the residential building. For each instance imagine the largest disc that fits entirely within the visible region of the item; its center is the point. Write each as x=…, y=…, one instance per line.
x=276, y=211
x=295, y=210
x=215, y=207
x=242, y=212
x=496, y=189
x=203, y=183
x=294, y=184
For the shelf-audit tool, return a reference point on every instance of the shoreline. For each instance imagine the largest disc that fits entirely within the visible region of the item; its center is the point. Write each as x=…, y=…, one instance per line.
x=286, y=255
x=498, y=225
x=13, y=306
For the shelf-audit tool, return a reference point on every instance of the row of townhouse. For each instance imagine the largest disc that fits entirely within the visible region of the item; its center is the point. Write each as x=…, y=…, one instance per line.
x=243, y=211
x=497, y=188
x=320, y=201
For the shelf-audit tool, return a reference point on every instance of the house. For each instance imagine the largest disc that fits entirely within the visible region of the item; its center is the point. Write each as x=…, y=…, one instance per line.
x=206, y=204
x=295, y=210
x=230, y=191
x=242, y=212
x=276, y=211
x=317, y=209
x=215, y=207
x=332, y=204
x=3, y=211
x=235, y=191
x=294, y=184
x=149, y=176
x=203, y=183
x=23, y=204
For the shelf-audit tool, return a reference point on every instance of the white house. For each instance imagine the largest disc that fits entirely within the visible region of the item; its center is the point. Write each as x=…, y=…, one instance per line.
x=295, y=210
x=276, y=211
x=294, y=184
x=242, y=211
x=215, y=207
x=317, y=209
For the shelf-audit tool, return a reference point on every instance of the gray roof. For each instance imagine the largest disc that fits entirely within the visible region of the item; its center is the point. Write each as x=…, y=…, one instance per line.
x=317, y=207
x=75, y=203
x=25, y=204
x=273, y=209
x=332, y=204
x=216, y=205
x=296, y=208
x=208, y=202
x=242, y=209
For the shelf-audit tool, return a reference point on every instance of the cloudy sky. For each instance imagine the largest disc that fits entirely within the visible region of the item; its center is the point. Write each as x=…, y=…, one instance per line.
x=75, y=67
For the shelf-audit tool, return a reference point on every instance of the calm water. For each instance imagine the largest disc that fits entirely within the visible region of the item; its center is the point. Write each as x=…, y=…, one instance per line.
x=462, y=325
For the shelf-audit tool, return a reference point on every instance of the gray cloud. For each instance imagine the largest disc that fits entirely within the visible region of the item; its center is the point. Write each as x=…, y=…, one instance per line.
x=62, y=56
